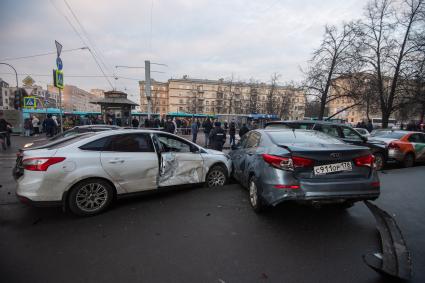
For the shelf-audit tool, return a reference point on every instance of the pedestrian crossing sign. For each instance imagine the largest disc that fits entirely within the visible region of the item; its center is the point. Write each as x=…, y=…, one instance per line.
x=30, y=102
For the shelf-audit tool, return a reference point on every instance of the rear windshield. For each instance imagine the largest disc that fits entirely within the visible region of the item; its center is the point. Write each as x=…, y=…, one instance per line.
x=276, y=126
x=68, y=140
x=301, y=136
x=391, y=135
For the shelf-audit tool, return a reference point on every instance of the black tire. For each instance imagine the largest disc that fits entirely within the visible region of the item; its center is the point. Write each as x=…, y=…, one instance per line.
x=409, y=160
x=90, y=197
x=255, y=199
x=216, y=177
x=379, y=161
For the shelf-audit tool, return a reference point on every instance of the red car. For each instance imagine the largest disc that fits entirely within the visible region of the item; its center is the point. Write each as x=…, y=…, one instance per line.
x=403, y=146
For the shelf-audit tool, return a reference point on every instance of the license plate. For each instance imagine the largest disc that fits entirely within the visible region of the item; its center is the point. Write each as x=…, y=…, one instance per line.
x=331, y=168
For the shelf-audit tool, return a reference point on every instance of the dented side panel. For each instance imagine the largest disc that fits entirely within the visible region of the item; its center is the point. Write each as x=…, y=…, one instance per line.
x=178, y=168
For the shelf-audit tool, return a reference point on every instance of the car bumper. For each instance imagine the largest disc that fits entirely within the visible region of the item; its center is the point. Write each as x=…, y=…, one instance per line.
x=334, y=190
x=395, y=155
x=33, y=188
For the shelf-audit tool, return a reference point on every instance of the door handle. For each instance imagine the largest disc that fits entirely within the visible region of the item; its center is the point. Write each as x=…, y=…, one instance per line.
x=115, y=161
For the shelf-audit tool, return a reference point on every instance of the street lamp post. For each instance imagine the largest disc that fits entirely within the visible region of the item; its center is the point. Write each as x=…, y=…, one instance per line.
x=18, y=91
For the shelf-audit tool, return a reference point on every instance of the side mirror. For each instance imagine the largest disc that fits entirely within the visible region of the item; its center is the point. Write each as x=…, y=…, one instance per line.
x=194, y=150
x=364, y=138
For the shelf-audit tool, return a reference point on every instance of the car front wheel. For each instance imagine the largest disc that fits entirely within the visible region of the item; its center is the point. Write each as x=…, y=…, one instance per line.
x=90, y=197
x=216, y=177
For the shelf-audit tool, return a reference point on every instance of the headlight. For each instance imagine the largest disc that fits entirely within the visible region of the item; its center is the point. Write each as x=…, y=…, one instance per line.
x=28, y=144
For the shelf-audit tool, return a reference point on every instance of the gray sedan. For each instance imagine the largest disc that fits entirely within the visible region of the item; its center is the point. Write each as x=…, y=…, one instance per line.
x=303, y=165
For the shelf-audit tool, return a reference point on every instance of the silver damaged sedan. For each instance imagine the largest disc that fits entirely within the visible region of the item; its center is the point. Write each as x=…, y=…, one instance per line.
x=302, y=165
x=85, y=173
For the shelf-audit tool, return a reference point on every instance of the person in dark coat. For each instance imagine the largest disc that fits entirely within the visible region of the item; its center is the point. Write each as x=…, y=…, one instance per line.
x=50, y=126
x=194, y=128
x=369, y=126
x=169, y=126
x=243, y=130
x=232, y=133
x=217, y=137
x=135, y=123
x=207, y=125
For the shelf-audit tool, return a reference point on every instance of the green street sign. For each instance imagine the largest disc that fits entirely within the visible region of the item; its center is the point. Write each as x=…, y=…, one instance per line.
x=58, y=78
x=30, y=102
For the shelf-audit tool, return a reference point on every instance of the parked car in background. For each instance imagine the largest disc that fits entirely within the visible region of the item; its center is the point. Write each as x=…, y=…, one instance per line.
x=363, y=132
x=404, y=147
x=70, y=132
x=341, y=131
x=86, y=172
x=303, y=165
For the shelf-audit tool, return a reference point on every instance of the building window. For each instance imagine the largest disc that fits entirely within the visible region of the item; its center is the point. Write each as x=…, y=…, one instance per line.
x=207, y=102
x=181, y=101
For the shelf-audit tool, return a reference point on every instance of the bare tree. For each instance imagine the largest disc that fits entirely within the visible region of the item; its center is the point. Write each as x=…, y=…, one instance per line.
x=387, y=34
x=272, y=95
x=253, y=105
x=337, y=55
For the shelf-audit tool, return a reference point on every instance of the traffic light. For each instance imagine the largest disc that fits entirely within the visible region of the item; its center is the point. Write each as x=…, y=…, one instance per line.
x=17, y=102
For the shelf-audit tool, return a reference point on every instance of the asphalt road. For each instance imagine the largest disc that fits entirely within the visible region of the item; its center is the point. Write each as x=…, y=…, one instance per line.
x=203, y=235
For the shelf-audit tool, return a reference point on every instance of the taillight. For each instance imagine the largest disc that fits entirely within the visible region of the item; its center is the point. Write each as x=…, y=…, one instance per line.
x=287, y=163
x=40, y=163
x=393, y=146
x=301, y=161
x=366, y=160
x=293, y=187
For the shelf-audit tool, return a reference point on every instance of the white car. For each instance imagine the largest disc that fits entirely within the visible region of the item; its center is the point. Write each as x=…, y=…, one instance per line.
x=85, y=173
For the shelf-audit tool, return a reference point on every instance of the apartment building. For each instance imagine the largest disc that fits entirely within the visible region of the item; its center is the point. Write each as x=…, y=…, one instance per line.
x=6, y=96
x=224, y=97
x=75, y=99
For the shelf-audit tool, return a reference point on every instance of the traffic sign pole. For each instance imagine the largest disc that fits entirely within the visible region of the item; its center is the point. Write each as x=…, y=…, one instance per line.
x=58, y=84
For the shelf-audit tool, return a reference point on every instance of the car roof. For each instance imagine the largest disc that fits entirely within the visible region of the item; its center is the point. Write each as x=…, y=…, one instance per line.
x=305, y=122
x=98, y=126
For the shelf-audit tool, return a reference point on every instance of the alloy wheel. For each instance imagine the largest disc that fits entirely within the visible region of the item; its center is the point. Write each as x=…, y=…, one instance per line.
x=216, y=178
x=91, y=197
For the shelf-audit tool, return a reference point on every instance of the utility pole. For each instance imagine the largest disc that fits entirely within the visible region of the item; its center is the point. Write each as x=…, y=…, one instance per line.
x=147, y=81
x=148, y=87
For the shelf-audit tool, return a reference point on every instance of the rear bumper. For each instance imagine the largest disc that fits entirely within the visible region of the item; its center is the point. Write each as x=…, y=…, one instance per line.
x=395, y=155
x=335, y=190
x=30, y=202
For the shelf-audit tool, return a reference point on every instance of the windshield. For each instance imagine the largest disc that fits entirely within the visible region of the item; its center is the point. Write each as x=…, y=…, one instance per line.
x=300, y=136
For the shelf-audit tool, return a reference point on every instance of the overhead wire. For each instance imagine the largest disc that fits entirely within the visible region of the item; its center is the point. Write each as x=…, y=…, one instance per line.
x=41, y=54
x=84, y=42
x=94, y=47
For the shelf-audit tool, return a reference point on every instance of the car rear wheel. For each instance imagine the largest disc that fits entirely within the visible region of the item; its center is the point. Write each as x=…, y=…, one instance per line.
x=379, y=161
x=409, y=160
x=90, y=197
x=216, y=177
x=255, y=199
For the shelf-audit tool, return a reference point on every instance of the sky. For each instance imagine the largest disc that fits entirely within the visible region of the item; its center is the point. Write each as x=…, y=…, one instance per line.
x=199, y=38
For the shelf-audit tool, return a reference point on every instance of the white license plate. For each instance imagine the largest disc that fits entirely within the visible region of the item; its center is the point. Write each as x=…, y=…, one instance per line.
x=331, y=168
